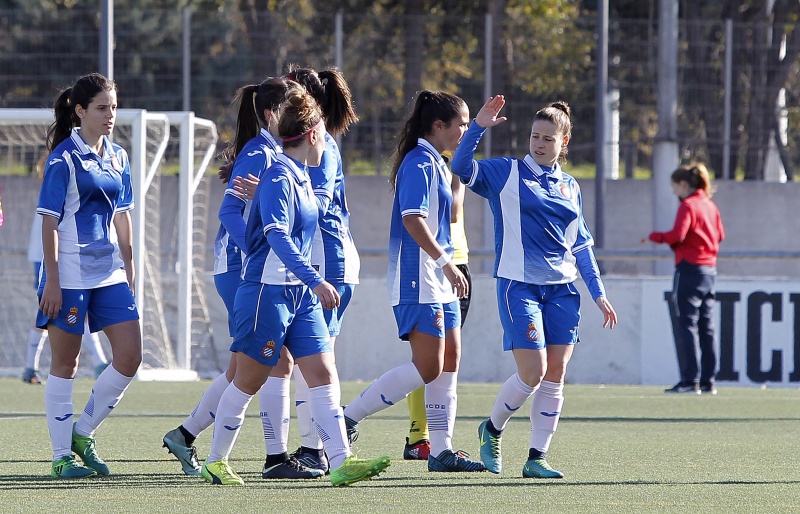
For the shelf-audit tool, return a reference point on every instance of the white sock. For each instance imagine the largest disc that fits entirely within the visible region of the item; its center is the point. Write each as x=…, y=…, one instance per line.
x=36, y=339
x=203, y=414
x=91, y=343
x=273, y=400
x=230, y=418
x=441, y=402
x=390, y=388
x=108, y=390
x=59, y=409
x=513, y=395
x=545, y=413
x=308, y=432
x=324, y=403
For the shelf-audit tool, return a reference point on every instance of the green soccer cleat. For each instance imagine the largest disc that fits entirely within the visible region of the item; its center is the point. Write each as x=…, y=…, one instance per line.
x=220, y=473
x=490, y=448
x=175, y=444
x=539, y=468
x=84, y=447
x=68, y=467
x=355, y=470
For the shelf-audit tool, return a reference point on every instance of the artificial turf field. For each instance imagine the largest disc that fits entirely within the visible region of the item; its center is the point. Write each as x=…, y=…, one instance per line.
x=623, y=449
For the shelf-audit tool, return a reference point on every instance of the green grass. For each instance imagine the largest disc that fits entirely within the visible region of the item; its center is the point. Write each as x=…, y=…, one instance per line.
x=623, y=449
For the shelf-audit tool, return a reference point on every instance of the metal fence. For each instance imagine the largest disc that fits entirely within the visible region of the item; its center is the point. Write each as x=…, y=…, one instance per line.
x=387, y=57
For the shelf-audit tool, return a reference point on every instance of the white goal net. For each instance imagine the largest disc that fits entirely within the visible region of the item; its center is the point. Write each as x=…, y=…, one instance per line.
x=169, y=154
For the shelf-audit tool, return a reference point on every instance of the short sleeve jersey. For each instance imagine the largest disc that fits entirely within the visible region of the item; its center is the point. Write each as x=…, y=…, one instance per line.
x=538, y=214
x=421, y=188
x=333, y=252
x=256, y=156
x=284, y=202
x=84, y=191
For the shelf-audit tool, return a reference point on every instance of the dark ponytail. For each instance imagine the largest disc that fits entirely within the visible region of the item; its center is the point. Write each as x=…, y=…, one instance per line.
x=81, y=93
x=330, y=90
x=253, y=100
x=429, y=107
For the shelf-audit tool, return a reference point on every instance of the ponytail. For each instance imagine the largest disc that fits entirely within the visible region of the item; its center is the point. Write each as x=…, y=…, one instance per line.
x=696, y=175
x=330, y=90
x=81, y=93
x=253, y=100
x=430, y=106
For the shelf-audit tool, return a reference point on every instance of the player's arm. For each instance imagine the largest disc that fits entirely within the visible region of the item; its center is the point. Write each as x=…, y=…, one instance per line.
x=124, y=228
x=419, y=231
x=50, y=302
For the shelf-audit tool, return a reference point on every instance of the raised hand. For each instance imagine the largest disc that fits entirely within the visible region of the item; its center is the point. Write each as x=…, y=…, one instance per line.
x=487, y=116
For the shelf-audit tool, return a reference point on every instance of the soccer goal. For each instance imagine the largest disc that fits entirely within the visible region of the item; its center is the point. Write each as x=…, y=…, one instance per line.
x=169, y=154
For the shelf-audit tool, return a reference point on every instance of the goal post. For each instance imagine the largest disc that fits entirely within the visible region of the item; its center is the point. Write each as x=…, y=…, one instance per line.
x=169, y=236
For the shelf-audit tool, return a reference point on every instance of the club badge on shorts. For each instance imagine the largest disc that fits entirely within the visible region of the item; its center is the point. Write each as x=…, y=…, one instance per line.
x=72, y=316
x=268, y=350
x=438, y=320
x=533, y=332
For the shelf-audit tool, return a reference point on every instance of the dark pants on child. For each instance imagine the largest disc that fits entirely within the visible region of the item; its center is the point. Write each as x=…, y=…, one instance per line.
x=691, y=307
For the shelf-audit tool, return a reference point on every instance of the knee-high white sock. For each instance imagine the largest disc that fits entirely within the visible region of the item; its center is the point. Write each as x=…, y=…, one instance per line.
x=91, y=343
x=36, y=339
x=324, y=404
x=308, y=433
x=390, y=388
x=273, y=401
x=545, y=413
x=58, y=408
x=441, y=403
x=203, y=414
x=108, y=390
x=230, y=417
x=513, y=395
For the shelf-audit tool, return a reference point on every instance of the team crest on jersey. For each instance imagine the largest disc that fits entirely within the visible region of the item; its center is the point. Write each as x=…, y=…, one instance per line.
x=533, y=332
x=566, y=192
x=438, y=319
x=72, y=316
x=268, y=350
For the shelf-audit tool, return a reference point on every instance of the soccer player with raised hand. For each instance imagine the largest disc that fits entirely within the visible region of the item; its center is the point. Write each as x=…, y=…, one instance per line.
x=541, y=243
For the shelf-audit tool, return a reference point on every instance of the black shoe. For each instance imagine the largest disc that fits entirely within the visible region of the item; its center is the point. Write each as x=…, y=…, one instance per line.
x=683, y=387
x=312, y=459
x=290, y=469
x=708, y=388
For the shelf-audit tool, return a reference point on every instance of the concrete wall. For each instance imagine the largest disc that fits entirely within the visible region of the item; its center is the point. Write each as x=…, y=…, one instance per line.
x=757, y=216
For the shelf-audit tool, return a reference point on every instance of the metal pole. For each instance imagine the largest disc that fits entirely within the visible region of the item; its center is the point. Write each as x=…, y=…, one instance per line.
x=726, y=127
x=488, y=219
x=601, y=112
x=665, y=152
x=187, y=59
x=106, y=65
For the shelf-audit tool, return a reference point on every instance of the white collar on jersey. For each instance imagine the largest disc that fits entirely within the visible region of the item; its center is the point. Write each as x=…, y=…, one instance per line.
x=428, y=146
x=271, y=141
x=556, y=174
x=300, y=174
x=75, y=135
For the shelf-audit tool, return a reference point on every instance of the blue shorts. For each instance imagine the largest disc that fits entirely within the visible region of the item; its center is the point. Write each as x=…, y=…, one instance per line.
x=333, y=317
x=269, y=317
x=429, y=318
x=105, y=306
x=534, y=316
x=227, y=283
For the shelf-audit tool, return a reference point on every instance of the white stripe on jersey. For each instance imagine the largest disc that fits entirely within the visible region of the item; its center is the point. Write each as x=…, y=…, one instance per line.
x=512, y=261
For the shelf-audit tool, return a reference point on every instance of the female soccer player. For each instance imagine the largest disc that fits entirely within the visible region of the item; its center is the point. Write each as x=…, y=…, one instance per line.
x=254, y=150
x=85, y=201
x=695, y=239
x=280, y=300
x=333, y=253
x=541, y=242
x=424, y=283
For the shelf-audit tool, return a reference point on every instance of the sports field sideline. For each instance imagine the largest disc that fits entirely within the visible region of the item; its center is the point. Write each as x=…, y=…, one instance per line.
x=623, y=449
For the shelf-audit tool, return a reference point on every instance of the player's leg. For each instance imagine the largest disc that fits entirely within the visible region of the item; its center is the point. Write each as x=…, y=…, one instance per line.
x=91, y=343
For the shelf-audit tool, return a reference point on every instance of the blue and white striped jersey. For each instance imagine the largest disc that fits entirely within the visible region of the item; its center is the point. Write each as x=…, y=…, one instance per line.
x=281, y=227
x=256, y=156
x=84, y=191
x=538, y=215
x=422, y=188
x=333, y=252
